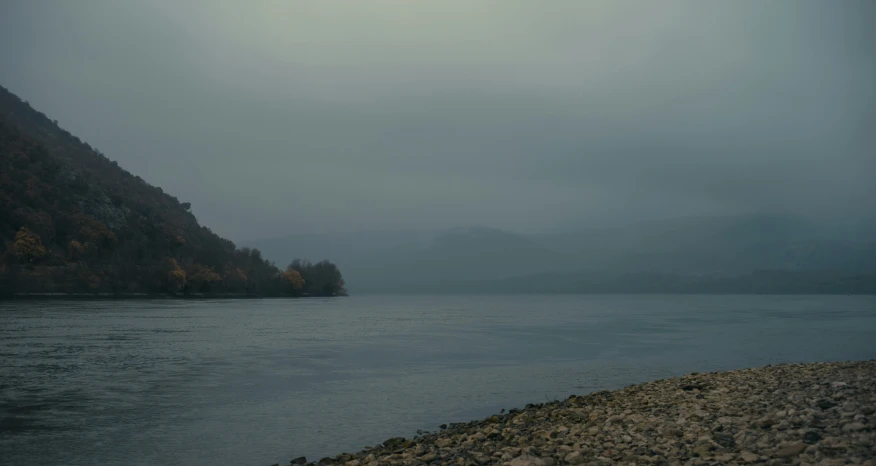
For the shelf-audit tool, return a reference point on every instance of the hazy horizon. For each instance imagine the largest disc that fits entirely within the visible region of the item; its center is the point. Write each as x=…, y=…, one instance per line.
x=278, y=118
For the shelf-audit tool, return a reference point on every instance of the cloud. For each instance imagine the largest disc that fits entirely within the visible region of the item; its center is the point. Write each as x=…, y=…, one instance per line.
x=322, y=116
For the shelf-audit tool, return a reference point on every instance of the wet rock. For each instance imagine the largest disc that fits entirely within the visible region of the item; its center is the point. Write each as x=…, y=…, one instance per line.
x=299, y=460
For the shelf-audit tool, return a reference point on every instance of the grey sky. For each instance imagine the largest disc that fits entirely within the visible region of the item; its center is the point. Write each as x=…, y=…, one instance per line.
x=275, y=117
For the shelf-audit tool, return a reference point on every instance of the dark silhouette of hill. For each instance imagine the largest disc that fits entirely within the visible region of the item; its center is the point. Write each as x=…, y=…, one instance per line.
x=73, y=221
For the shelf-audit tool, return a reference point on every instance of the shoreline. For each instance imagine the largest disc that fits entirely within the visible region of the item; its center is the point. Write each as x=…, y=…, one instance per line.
x=814, y=413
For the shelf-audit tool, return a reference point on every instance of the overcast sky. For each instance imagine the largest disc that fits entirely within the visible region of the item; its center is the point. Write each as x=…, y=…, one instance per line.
x=275, y=117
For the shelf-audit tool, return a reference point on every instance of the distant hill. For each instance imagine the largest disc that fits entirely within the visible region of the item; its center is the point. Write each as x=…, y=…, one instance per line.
x=73, y=221
x=757, y=253
x=456, y=256
x=734, y=244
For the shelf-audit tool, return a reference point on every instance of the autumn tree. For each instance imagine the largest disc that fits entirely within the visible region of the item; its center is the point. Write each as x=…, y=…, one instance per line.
x=176, y=279
x=293, y=280
x=173, y=277
x=234, y=278
x=75, y=250
x=27, y=246
x=202, y=278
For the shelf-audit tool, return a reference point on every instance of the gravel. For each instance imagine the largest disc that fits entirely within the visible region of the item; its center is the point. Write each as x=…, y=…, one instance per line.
x=800, y=414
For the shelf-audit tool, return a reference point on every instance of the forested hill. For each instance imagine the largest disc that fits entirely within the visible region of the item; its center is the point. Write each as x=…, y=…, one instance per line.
x=73, y=221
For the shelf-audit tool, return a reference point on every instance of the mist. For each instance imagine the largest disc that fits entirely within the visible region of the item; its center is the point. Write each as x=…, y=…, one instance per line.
x=315, y=117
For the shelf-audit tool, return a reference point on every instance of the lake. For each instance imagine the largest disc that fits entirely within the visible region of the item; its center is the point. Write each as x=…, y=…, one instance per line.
x=255, y=382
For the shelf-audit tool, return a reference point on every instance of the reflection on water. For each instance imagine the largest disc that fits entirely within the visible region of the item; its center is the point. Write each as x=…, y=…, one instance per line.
x=254, y=382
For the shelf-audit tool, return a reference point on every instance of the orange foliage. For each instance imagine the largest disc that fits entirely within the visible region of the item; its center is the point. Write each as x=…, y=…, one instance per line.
x=202, y=277
x=293, y=277
x=234, y=275
x=175, y=276
x=93, y=230
x=76, y=249
x=27, y=246
x=176, y=279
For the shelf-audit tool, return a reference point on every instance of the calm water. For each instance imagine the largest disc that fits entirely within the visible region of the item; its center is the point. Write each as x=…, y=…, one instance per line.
x=259, y=381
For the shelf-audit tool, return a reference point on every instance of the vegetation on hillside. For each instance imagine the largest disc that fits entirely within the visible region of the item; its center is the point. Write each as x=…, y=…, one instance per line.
x=73, y=221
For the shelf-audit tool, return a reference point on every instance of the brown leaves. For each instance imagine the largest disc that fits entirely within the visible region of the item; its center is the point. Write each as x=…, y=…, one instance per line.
x=27, y=246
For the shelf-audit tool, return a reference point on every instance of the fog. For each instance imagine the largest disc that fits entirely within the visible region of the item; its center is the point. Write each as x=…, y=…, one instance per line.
x=278, y=117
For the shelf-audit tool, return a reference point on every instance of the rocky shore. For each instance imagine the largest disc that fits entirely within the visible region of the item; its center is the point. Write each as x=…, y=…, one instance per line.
x=804, y=414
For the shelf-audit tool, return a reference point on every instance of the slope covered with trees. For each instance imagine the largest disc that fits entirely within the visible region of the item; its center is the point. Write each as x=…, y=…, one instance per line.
x=73, y=221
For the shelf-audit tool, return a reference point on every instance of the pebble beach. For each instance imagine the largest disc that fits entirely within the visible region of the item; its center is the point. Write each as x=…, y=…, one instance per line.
x=800, y=414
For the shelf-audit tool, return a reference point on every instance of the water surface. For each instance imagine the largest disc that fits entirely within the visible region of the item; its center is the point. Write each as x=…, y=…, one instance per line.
x=254, y=382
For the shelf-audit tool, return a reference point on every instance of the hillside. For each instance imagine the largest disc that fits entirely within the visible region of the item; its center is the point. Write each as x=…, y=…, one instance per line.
x=73, y=221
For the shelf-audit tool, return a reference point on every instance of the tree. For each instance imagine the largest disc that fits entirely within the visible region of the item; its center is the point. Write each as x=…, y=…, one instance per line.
x=202, y=278
x=75, y=250
x=235, y=278
x=173, y=277
x=293, y=280
x=27, y=246
x=176, y=279
x=320, y=279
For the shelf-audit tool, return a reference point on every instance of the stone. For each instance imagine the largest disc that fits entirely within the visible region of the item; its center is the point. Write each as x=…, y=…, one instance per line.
x=825, y=403
x=748, y=457
x=811, y=437
x=394, y=442
x=791, y=450
x=854, y=427
x=443, y=442
x=724, y=439
x=428, y=457
x=702, y=450
x=575, y=457
x=299, y=460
